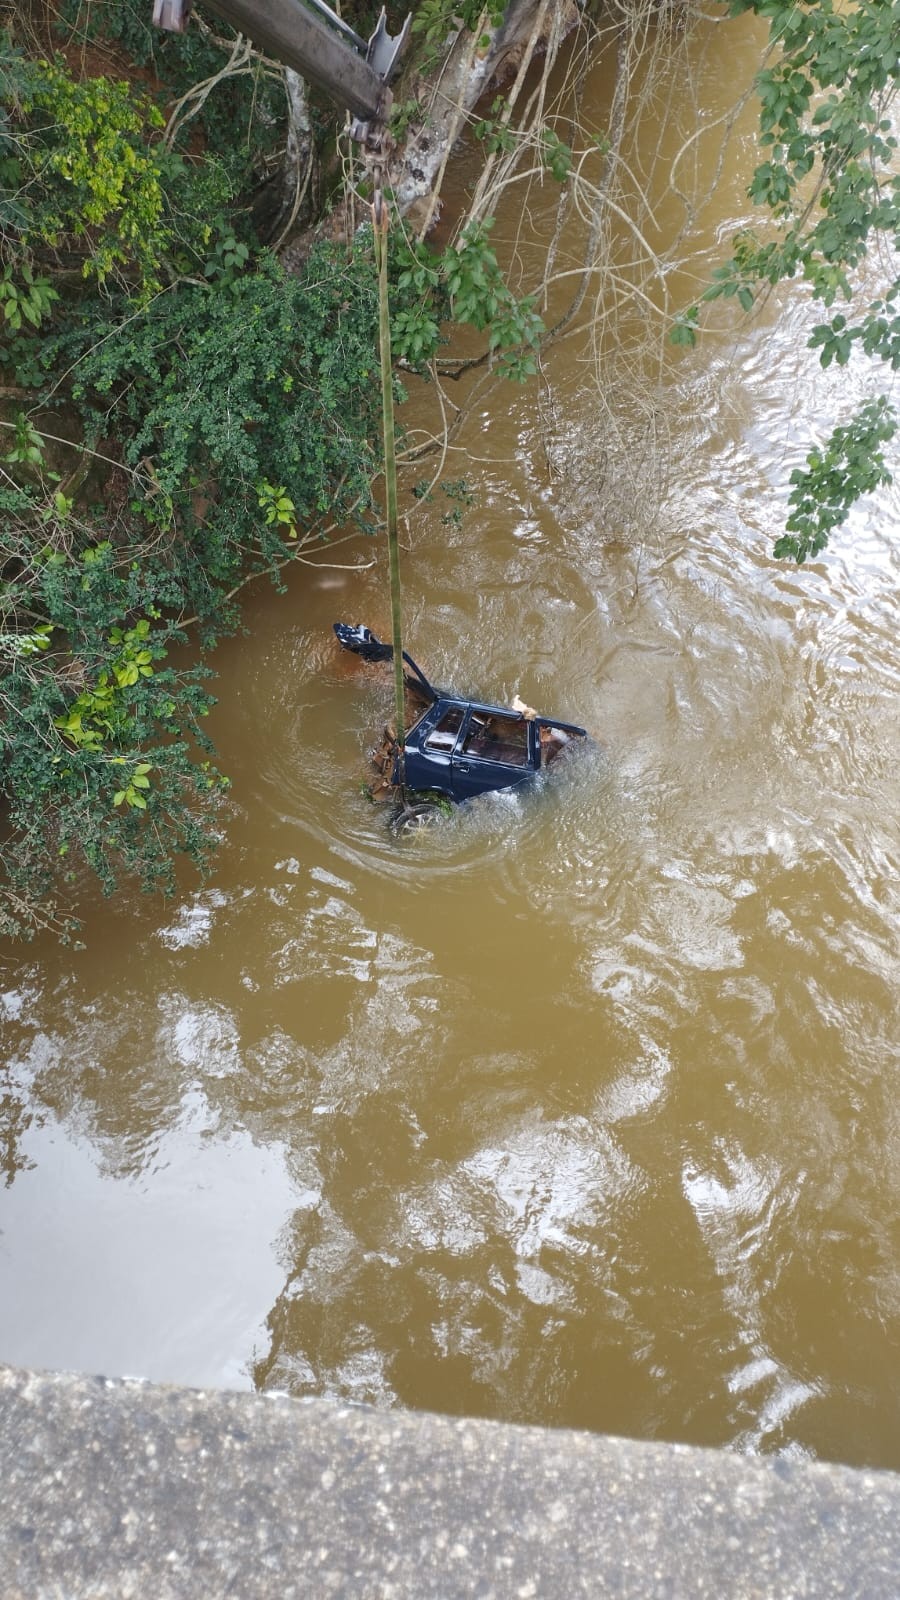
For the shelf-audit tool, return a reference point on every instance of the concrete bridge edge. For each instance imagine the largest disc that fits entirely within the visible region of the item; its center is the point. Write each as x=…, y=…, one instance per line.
x=112, y=1488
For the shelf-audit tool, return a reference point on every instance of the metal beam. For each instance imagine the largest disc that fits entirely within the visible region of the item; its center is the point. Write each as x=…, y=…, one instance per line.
x=286, y=30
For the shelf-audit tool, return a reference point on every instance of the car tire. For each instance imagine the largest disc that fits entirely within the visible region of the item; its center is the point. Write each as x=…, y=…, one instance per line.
x=415, y=818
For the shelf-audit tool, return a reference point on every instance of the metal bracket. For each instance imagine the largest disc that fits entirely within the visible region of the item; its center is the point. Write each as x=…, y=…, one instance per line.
x=171, y=15
x=383, y=52
x=314, y=41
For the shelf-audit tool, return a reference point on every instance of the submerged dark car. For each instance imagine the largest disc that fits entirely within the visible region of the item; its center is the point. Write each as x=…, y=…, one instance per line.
x=462, y=748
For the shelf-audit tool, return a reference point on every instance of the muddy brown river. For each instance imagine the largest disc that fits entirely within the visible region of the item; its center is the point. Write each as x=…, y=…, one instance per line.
x=581, y=1109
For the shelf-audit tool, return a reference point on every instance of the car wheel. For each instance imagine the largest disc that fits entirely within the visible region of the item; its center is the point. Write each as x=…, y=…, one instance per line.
x=416, y=817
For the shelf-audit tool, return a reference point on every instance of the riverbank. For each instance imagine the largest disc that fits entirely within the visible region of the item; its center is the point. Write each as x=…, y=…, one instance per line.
x=113, y=1489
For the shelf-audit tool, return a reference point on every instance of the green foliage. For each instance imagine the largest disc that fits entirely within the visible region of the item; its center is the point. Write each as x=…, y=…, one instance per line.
x=240, y=122
x=89, y=188
x=244, y=403
x=244, y=414
x=101, y=713
x=126, y=23
x=415, y=334
x=403, y=114
x=89, y=708
x=94, y=181
x=851, y=464
x=457, y=490
x=831, y=182
x=496, y=135
x=478, y=295
x=27, y=448
x=269, y=382
x=684, y=329
x=472, y=278
x=556, y=155
x=227, y=262
x=435, y=20
x=278, y=507
x=28, y=300
x=463, y=283
x=132, y=794
x=499, y=137
x=877, y=334
x=840, y=66
x=222, y=414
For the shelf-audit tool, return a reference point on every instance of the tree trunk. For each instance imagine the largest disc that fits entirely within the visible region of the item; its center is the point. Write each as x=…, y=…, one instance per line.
x=468, y=69
x=299, y=155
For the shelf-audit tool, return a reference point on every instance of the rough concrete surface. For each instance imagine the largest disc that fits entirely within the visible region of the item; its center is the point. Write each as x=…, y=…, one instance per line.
x=116, y=1489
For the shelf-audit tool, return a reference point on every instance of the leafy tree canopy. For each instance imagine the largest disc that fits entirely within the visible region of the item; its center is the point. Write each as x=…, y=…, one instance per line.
x=184, y=415
x=830, y=181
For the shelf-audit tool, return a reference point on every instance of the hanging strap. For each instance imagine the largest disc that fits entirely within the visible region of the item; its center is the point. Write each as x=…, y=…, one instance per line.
x=380, y=230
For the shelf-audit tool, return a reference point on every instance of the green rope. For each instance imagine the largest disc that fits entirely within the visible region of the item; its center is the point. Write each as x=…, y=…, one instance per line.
x=380, y=228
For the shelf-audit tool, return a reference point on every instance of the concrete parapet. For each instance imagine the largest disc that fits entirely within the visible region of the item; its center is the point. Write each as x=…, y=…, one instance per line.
x=112, y=1489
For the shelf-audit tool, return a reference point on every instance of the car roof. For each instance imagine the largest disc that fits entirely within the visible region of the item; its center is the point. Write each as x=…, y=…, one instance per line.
x=450, y=701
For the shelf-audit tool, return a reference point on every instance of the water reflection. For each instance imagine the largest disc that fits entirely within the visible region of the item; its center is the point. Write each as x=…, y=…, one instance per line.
x=137, y=1235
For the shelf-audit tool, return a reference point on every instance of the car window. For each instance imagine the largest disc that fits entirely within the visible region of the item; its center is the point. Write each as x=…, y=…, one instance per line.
x=442, y=737
x=497, y=738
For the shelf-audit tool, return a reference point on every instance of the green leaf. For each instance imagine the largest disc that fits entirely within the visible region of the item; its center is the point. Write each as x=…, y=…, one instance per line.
x=683, y=334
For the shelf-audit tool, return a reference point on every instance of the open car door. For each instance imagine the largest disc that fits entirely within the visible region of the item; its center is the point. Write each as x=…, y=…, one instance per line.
x=495, y=750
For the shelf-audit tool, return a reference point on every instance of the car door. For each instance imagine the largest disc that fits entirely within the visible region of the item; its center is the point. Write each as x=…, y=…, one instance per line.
x=494, y=751
x=430, y=746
